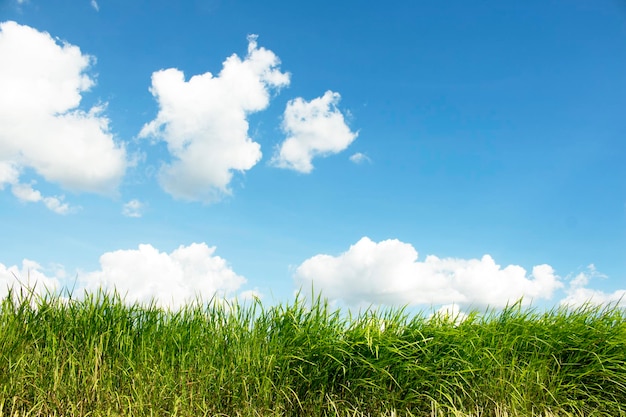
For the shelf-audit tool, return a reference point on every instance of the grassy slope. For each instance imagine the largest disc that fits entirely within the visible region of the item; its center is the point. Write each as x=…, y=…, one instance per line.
x=98, y=356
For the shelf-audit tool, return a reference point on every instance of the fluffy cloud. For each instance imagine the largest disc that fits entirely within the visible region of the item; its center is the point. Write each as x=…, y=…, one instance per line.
x=26, y=193
x=9, y=174
x=41, y=126
x=143, y=275
x=30, y=277
x=579, y=294
x=313, y=128
x=450, y=313
x=204, y=122
x=389, y=273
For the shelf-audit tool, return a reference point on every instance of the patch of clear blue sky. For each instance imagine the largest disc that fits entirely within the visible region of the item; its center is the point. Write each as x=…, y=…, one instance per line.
x=493, y=127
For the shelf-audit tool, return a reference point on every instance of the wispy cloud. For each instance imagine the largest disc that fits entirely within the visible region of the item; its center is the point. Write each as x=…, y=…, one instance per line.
x=204, y=122
x=579, y=293
x=9, y=175
x=313, y=128
x=94, y=4
x=26, y=193
x=134, y=208
x=359, y=158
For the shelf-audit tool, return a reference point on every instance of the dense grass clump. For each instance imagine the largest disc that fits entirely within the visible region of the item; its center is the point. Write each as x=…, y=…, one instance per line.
x=98, y=356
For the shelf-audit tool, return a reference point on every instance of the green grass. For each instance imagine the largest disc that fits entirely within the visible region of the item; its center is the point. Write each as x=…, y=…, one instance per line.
x=97, y=356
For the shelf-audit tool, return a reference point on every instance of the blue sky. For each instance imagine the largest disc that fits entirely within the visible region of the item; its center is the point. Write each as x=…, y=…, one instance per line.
x=404, y=153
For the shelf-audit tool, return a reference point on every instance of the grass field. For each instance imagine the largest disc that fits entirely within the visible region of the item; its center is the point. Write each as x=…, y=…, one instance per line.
x=97, y=356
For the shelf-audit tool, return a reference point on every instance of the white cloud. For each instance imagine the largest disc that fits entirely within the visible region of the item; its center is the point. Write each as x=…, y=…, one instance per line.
x=579, y=294
x=389, y=273
x=26, y=193
x=250, y=295
x=449, y=312
x=29, y=278
x=313, y=128
x=9, y=174
x=134, y=208
x=94, y=4
x=359, y=158
x=185, y=275
x=204, y=122
x=41, y=126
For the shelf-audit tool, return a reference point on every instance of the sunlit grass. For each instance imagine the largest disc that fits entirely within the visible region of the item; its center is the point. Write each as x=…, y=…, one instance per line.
x=98, y=356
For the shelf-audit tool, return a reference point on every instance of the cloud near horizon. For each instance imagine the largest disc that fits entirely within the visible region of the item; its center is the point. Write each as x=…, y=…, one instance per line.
x=578, y=292
x=389, y=273
x=368, y=273
x=313, y=128
x=30, y=276
x=204, y=122
x=41, y=125
x=187, y=274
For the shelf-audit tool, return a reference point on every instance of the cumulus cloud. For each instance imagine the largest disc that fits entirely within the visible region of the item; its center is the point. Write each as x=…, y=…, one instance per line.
x=389, y=273
x=9, y=174
x=188, y=274
x=204, y=122
x=578, y=293
x=134, y=208
x=450, y=313
x=313, y=128
x=41, y=126
x=30, y=277
x=359, y=158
